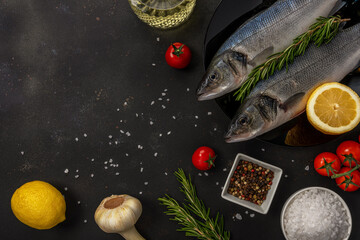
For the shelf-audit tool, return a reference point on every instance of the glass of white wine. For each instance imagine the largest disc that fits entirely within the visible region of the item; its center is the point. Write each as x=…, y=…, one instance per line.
x=163, y=13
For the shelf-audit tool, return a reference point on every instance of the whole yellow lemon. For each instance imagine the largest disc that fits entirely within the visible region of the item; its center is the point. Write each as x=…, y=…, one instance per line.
x=39, y=205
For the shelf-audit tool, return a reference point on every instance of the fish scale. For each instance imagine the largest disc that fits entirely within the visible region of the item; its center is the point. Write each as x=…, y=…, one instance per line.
x=266, y=33
x=284, y=95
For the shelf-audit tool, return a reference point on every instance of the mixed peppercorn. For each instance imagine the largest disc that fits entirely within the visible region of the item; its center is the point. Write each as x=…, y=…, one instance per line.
x=250, y=182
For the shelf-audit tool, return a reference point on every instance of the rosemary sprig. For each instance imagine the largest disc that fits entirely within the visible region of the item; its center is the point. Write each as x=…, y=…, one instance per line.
x=323, y=31
x=203, y=227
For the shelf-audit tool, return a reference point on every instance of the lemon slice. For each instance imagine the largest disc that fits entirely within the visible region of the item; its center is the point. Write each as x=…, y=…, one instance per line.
x=333, y=109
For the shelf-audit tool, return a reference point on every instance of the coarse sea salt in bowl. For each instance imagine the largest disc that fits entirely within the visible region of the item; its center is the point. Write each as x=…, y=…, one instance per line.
x=316, y=213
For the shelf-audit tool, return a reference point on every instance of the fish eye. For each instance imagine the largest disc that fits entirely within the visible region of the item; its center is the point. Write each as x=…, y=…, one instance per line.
x=243, y=121
x=213, y=76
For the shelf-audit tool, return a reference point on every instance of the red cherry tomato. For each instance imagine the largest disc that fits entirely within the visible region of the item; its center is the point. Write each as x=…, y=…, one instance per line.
x=178, y=55
x=347, y=148
x=327, y=164
x=203, y=158
x=346, y=183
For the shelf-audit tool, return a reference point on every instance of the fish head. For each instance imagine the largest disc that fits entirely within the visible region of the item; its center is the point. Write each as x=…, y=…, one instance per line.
x=247, y=124
x=222, y=76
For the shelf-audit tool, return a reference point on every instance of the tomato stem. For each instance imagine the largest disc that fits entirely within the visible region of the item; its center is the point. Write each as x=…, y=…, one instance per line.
x=345, y=173
x=177, y=51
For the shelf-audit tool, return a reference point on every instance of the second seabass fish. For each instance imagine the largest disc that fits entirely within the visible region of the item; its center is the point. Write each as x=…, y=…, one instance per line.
x=283, y=96
x=268, y=32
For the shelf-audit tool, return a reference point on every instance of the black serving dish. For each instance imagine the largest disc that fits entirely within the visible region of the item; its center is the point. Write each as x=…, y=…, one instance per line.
x=228, y=16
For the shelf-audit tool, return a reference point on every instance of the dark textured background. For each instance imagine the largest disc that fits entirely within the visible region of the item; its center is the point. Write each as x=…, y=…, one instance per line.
x=68, y=67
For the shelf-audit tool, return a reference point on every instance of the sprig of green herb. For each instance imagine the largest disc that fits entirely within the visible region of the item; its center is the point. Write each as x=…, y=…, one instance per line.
x=323, y=31
x=203, y=227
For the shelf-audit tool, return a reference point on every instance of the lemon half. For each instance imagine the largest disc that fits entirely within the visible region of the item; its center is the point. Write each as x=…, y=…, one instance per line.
x=39, y=205
x=333, y=108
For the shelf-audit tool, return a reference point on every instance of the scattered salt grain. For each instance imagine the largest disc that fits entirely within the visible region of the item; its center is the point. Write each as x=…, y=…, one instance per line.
x=158, y=39
x=105, y=167
x=217, y=183
x=168, y=99
x=174, y=117
x=85, y=221
x=106, y=162
x=215, y=129
x=246, y=212
x=111, y=160
x=136, y=114
x=152, y=103
x=263, y=149
x=224, y=169
x=66, y=171
x=163, y=106
x=286, y=176
x=292, y=160
x=76, y=139
x=22, y=152
x=117, y=174
x=77, y=170
x=92, y=175
x=160, y=134
x=110, y=136
x=163, y=94
x=85, y=135
x=307, y=168
x=238, y=216
x=141, y=169
x=140, y=193
x=153, y=64
x=140, y=147
x=92, y=159
x=169, y=132
x=165, y=90
x=209, y=113
x=252, y=215
x=146, y=183
x=65, y=188
x=316, y=214
x=151, y=122
x=121, y=131
x=166, y=173
x=160, y=99
x=118, y=109
x=195, y=125
x=199, y=174
x=78, y=202
x=206, y=174
x=188, y=89
x=197, y=117
x=126, y=154
x=155, y=154
x=128, y=134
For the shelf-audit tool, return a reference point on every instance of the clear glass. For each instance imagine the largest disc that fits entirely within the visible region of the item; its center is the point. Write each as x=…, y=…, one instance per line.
x=163, y=13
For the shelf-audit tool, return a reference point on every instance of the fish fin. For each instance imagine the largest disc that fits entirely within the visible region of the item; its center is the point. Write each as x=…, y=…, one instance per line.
x=337, y=7
x=292, y=101
x=262, y=57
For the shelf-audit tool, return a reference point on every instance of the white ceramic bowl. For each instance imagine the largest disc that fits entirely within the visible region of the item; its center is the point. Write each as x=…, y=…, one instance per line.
x=264, y=207
x=310, y=188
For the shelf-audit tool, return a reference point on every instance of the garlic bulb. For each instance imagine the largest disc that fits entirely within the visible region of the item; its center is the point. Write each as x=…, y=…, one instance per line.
x=118, y=214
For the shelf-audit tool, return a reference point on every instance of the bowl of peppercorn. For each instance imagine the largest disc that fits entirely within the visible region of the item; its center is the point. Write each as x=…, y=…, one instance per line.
x=252, y=183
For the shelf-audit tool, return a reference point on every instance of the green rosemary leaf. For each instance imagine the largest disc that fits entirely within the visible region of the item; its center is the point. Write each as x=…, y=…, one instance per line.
x=321, y=32
x=203, y=228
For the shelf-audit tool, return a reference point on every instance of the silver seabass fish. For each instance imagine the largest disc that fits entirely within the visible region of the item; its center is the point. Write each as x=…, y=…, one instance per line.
x=268, y=32
x=283, y=96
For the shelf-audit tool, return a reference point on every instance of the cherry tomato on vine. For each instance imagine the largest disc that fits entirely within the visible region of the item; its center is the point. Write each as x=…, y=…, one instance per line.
x=348, y=183
x=327, y=164
x=203, y=158
x=347, y=148
x=178, y=55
